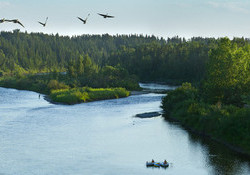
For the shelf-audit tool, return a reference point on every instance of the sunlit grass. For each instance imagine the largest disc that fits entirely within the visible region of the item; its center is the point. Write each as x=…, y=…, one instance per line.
x=86, y=94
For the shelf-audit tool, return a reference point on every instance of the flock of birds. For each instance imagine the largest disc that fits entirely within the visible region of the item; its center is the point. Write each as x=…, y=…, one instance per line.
x=16, y=21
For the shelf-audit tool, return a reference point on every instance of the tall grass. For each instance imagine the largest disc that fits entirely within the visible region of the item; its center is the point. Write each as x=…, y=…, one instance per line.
x=86, y=94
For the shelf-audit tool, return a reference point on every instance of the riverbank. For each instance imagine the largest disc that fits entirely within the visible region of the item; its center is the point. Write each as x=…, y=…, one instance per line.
x=226, y=124
x=86, y=94
x=147, y=91
x=206, y=135
x=61, y=92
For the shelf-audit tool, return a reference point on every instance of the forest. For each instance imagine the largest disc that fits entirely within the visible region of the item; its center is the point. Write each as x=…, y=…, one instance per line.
x=105, y=60
x=219, y=106
x=147, y=57
x=215, y=100
x=31, y=61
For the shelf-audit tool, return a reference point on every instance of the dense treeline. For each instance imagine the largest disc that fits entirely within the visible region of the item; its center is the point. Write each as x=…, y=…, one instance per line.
x=182, y=60
x=227, y=79
x=107, y=77
x=37, y=52
x=219, y=106
x=148, y=57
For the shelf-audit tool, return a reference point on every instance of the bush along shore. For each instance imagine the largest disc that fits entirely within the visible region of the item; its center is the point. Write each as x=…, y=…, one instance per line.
x=227, y=124
x=86, y=94
x=59, y=92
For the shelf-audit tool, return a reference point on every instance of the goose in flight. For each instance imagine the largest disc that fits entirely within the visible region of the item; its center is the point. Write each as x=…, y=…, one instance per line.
x=44, y=24
x=15, y=21
x=2, y=20
x=105, y=15
x=84, y=20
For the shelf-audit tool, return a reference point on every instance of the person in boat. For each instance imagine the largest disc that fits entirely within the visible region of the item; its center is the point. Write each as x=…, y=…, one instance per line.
x=165, y=162
x=150, y=163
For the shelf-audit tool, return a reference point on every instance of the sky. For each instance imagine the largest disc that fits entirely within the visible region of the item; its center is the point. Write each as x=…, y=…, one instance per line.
x=162, y=18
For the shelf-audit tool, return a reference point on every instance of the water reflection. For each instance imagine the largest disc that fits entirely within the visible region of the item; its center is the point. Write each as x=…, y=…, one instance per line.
x=222, y=159
x=154, y=86
x=217, y=156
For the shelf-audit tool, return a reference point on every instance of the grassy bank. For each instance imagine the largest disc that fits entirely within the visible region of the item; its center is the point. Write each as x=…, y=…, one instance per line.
x=86, y=94
x=59, y=91
x=38, y=83
x=39, y=86
x=225, y=123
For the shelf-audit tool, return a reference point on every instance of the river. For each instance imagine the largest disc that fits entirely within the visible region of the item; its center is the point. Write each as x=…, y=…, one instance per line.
x=102, y=138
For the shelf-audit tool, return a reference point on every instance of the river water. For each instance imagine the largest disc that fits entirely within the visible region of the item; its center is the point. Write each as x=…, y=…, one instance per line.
x=102, y=138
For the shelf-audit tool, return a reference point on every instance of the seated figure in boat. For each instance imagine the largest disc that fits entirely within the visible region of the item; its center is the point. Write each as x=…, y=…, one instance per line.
x=165, y=164
x=150, y=163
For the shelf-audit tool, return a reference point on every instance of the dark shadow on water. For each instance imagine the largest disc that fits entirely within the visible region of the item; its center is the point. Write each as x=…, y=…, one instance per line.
x=222, y=159
x=41, y=108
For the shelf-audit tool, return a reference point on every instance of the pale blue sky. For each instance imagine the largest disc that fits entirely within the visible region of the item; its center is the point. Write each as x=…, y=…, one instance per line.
x=163, y=18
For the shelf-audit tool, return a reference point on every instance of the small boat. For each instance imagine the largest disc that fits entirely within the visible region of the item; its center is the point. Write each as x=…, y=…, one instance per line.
x=164, y=164
x=157, y=164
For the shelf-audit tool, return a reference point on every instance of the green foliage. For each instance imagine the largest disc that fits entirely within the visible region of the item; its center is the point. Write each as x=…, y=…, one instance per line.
x=225, y=87
x=169, y=62
x=54, y=84
x=25, y=83
x=227, y=123
x=173, y=60
x=185, y=92
x=42, y=83
x=117, y=77
x=37, y=52
x=85, y=94
x=228, y=73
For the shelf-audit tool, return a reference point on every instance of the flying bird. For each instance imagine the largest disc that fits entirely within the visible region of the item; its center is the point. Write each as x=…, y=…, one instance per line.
x=2, y=20
x=44, y=24
x=15, y=21
x=84, y=20
x=105, y=15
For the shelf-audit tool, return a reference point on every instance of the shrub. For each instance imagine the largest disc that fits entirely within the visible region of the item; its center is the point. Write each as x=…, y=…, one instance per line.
x=185, y=92
x=54, y=84
x=85, y=94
